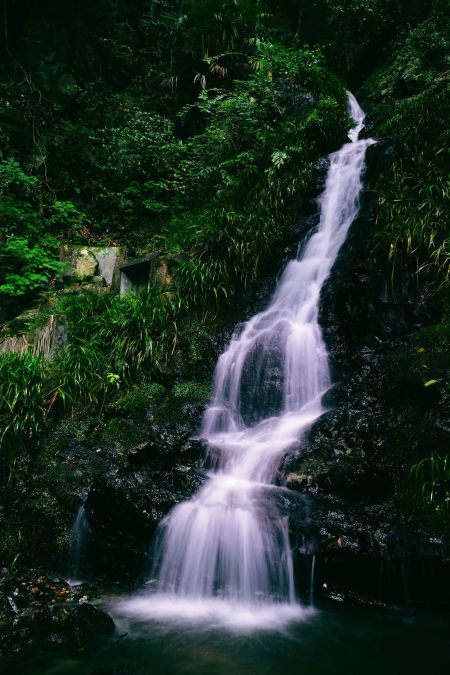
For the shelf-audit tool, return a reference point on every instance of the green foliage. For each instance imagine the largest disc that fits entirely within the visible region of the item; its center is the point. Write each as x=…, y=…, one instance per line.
x=66, y=219
x=22, y=401
x=28, y=245
x=17, y=212
x=129, y=173
x=128, y=160
x=26, y=266
x=83, y=372
x=411, y=99
x=110, y=340
x=223, y=25
x=250, y=167
x=425, y=359
x=417, y=64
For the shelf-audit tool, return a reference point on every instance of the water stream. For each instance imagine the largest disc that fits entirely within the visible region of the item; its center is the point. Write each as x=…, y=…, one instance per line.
x=79, y=534
x=226, y=552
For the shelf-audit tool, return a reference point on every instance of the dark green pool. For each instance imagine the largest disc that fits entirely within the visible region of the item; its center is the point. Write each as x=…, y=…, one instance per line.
x=333, y=641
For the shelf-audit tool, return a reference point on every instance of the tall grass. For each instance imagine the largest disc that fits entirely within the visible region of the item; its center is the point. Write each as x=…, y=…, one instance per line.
x=412, y=208
x=23, y=390
x=110, y=339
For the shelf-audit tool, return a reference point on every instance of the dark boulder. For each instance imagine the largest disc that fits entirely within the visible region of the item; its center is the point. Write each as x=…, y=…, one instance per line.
x=87, y=624
x=38, y=611
x=125, y=507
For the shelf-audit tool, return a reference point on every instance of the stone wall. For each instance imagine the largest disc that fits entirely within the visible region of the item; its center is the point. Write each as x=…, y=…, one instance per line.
x=45, y=340
x=99, y=264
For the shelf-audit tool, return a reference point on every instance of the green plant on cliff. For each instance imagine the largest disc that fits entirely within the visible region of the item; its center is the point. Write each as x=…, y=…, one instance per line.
x=411, y=98
x=26, y=266
x=432, y=476
x=414, y=196
x=127, y=179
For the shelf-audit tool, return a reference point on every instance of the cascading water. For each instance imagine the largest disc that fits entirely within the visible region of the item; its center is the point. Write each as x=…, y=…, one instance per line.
x=227, y=549
x=79, y=534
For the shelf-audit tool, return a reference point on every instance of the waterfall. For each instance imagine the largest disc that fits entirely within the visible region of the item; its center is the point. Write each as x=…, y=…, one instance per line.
x=78, y=535
x=312, y=579
x=229, y=545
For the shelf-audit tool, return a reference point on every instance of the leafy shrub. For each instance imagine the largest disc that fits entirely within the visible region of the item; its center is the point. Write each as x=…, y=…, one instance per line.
x=251, y=167
x=26, y=266
x=111, y=338
x=130, y=171
x=29, y=227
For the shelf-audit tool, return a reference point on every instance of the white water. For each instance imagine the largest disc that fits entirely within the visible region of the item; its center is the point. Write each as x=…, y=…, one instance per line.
x=79, y=534
x=226, y=552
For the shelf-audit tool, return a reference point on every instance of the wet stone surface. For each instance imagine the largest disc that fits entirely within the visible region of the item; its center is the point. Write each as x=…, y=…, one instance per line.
x=37, y=611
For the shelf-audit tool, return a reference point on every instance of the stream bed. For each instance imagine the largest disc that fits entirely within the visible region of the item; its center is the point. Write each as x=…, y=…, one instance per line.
x=332, y=640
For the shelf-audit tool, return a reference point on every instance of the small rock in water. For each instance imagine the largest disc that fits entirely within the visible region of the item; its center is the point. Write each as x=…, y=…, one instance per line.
x=88, y=622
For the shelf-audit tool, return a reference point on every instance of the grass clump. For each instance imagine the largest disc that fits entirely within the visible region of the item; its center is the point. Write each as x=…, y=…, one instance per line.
x=23, y=401
x=432, y=478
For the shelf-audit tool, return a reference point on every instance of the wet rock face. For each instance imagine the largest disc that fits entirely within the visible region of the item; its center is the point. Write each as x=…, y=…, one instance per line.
x=362, y=308
x=367, y=529
x=124, y=508
x=128, y=500
x=127, y=469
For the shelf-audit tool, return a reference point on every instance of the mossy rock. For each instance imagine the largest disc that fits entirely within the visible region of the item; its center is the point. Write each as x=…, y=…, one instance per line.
x=139, y=400
x=119, y=434
x=184, y=404
x=194, y=392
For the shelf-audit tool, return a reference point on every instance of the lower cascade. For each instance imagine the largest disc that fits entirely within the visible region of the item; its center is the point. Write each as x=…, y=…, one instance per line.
x=227, y=549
